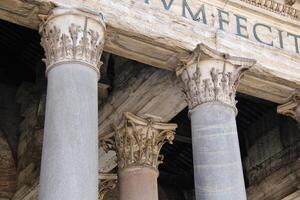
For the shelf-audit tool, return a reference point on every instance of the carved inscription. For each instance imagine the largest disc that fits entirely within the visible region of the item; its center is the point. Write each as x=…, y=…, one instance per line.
x=221, y=19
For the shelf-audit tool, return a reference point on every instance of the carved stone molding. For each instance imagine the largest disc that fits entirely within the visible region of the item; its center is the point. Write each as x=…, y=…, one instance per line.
x=291, y=108
x=285, y=9
x=70, y=35
x=290, y=2
x=108, y=182
x=211, y=76
x=138, y=141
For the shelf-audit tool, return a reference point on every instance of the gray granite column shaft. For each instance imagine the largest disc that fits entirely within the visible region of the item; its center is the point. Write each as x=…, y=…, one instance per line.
x=211, y=80
x=73, y=41
x=70, y=150
x=217, y=163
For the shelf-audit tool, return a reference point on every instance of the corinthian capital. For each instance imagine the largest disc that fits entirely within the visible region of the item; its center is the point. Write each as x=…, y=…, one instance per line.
x=70, y=35
x=291, y=108
x=138, y=141
x=211, y=76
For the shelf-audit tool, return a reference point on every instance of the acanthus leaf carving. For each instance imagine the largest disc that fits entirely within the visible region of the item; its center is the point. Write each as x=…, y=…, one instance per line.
x=72, y=36
x=210, y=76
x=139, y=141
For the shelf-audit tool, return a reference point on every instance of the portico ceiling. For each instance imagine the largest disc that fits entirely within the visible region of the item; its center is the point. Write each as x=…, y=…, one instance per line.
x=20, y=53
x=22, y=45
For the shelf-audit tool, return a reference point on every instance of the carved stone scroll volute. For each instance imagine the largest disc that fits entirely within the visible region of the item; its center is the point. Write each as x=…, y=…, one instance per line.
x=291, y=108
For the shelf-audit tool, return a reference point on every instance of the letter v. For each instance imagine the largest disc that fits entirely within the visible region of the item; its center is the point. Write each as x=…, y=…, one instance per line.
x=167, y=6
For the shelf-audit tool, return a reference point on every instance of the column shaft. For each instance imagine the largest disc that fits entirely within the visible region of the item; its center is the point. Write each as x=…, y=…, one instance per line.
x=70, y=150
x=217, y=164
x=138, y=144
x=138, y=183
x=211, y=80
x=73, y=42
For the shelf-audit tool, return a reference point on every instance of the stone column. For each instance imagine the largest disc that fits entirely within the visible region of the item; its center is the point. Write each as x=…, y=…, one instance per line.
x=291, y=108
x=73, y=43
x=211, y=80
x=138, y=143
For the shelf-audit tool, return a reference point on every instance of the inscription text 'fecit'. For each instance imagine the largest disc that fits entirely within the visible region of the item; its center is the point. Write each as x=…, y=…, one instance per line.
x=223, y=20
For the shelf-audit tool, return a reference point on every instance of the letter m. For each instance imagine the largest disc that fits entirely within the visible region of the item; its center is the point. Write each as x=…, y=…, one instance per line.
x=195, y=17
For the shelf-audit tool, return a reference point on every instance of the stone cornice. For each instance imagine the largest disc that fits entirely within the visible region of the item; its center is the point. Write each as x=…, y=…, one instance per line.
x=291, y=108
x=138, y=141
x=70, y=35
x=290, y=2
x=211, y=76
x=279, y=8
